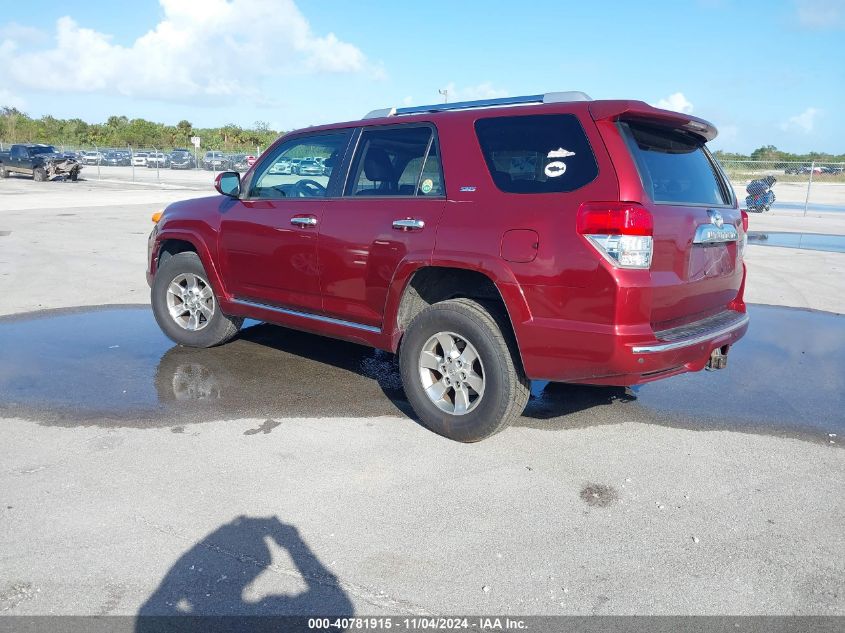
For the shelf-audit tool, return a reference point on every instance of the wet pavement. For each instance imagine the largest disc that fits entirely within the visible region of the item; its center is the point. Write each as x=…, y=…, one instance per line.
x=807, y=241
x=111, y=366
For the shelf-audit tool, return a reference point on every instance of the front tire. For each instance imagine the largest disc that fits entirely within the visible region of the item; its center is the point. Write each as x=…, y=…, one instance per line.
x=185, y=305
x=39, y=174
x=461, y=372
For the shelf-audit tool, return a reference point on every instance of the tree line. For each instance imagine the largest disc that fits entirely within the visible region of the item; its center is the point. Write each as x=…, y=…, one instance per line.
x=773, y=154
x=121, y=131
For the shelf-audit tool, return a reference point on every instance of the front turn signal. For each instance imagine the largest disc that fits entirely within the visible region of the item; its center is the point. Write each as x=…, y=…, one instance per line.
x=157, y=216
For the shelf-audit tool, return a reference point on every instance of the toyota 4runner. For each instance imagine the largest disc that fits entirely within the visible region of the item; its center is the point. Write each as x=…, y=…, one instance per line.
x=488, y=243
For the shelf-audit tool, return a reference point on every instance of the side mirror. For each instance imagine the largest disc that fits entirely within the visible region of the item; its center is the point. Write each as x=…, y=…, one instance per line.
x=228, y=183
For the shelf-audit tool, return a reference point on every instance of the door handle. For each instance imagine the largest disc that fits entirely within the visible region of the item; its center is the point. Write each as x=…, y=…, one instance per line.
x=408, y=224
x=303, y=221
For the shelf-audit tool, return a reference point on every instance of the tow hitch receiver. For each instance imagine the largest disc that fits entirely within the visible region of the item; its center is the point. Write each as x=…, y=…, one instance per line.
x=718, y=359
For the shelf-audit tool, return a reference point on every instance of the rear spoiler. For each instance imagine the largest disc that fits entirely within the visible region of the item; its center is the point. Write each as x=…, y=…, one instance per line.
x=638, y=110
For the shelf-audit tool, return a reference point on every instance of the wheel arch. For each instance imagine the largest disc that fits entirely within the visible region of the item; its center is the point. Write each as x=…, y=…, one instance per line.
x=428, y=284
x=169, y=243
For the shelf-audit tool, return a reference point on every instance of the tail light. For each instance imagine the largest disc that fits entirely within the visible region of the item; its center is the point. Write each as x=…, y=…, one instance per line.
x=744, y=241
x=619, y=231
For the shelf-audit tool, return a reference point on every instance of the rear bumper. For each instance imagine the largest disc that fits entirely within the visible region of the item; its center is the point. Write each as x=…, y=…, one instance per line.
x=694, y=334
x=586, y=353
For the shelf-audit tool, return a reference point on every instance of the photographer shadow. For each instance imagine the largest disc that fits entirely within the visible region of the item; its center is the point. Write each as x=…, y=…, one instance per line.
x=211, y=579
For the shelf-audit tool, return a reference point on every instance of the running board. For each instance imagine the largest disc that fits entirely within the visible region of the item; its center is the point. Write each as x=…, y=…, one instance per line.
x=308, y=315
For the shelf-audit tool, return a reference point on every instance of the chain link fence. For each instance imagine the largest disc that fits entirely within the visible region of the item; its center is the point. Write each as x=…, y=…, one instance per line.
x=799, y=186
x=152, y=164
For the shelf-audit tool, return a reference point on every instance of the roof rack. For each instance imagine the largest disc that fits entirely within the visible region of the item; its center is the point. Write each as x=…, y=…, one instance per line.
x=549, y=97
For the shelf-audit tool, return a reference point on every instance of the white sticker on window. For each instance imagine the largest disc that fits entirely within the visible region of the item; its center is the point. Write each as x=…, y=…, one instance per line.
x=555, y=169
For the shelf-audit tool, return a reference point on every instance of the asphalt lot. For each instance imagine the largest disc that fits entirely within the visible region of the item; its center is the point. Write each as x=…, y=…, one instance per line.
x=282, y=473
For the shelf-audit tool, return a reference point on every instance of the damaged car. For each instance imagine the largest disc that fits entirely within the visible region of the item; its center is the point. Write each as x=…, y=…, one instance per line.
x=42, y=162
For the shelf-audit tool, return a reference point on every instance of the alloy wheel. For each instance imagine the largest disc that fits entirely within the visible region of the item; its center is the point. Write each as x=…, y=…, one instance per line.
x=451, y=373
x=190, y=301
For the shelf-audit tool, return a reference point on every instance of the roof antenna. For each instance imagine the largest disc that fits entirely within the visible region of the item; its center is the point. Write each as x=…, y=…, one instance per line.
x=445, y=93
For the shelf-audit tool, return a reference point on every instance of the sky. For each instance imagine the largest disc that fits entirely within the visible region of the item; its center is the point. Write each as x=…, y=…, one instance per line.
x=765, y=72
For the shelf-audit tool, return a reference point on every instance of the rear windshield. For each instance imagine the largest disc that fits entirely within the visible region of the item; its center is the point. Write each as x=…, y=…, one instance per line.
x=673, y=166
x=546, y=153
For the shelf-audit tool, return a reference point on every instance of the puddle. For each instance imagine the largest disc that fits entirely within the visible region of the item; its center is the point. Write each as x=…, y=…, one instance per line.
x=808, y=241
x=112, y=366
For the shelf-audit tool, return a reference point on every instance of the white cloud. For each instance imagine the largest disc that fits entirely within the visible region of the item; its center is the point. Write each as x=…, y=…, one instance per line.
x=676, y=102
x=200, y=48
x=11, y=100
x=820, y=14
x=15, y=31
x=804, y=121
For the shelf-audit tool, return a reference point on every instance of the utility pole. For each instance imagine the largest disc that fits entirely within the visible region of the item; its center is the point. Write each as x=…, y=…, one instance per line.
x=445, y=93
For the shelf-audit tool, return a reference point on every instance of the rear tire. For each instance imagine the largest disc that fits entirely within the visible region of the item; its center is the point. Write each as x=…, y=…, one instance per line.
x=186, y=306
x=3, y=173
x=471, y=390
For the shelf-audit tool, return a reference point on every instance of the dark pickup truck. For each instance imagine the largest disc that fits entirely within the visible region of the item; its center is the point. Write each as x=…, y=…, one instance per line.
x=42, y=162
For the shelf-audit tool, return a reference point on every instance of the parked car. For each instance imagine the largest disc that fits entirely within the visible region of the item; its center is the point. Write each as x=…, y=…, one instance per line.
x=216, y=161
x=294, y=165
x=115, y=159
x=158, y=160
x=182, y=159
x=239, y=162
x=42, y=162
x=832, y=170
x=91, y=158
x=310, y=167
x=139, y=159
x=282, y=166
x=559, y=239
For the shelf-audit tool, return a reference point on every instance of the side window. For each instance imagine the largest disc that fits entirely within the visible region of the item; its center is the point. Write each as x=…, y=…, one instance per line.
x=399, y=161
x=301, y=168
x=19, y=153
x=546, y=153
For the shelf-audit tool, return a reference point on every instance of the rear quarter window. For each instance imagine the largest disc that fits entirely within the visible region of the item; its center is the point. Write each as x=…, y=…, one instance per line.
x=546, y=153
x=674, y=166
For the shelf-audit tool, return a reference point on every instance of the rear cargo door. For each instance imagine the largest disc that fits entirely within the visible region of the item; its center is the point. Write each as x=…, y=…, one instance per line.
x=696, y=267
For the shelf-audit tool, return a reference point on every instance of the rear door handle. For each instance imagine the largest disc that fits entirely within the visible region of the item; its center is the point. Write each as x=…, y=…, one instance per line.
x=303, y=221
x=408, y=224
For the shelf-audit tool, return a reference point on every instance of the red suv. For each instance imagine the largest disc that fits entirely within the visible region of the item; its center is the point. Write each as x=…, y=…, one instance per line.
x=488, y=243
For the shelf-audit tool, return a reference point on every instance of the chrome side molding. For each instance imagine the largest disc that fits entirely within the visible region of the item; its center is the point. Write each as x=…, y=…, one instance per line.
x=307, y=315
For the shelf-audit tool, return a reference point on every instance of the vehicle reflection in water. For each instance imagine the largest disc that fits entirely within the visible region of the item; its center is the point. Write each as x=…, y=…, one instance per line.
x=112, y=366
x=807, y=241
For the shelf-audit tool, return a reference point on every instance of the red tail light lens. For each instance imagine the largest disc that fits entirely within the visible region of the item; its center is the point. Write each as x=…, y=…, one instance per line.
x=614, y=218
x=620, y=231
x=744, y=220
